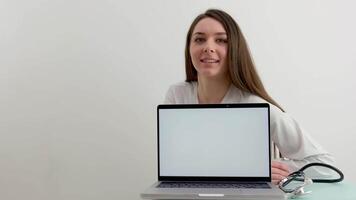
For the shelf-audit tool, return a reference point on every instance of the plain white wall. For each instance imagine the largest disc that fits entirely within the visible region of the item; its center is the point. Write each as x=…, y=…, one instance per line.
x=80, y=81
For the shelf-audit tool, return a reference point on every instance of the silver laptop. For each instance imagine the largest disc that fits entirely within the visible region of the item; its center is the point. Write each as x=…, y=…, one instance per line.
x=213, y=151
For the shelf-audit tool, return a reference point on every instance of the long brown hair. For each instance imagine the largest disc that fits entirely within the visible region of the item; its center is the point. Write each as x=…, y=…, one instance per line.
x=242, y=70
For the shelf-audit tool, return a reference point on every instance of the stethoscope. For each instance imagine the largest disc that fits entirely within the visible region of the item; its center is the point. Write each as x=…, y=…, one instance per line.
x=300, y=176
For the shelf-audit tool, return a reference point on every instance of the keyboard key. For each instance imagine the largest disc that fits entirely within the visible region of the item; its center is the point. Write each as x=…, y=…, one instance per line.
x=212, y=185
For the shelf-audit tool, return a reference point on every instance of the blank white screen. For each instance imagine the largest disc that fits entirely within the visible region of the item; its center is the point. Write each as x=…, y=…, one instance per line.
x=214, y=142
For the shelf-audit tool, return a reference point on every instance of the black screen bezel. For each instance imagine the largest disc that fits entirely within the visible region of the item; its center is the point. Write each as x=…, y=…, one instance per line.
x=213, y=178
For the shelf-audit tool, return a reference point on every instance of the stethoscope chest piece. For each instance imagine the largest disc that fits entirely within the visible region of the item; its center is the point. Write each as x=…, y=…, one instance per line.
x=299, y=192
x=295, y=182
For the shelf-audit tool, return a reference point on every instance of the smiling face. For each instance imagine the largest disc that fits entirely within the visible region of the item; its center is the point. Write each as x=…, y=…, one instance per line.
x=208, y=48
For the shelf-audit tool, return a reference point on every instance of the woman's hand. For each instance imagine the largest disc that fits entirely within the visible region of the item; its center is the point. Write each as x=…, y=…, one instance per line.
x=279, y=171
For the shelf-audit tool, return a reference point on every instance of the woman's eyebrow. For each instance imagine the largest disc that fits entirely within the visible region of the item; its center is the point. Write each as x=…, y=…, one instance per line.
x=220, y=33
x=201, y=33
x=198, y=33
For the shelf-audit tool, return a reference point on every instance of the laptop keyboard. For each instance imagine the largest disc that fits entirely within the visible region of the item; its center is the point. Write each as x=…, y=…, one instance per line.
x=212, y=185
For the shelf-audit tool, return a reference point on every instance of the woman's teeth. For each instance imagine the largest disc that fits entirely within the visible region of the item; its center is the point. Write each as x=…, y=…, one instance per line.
x=209, y=60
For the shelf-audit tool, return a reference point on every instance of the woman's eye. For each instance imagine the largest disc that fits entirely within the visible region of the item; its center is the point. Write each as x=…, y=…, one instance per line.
x=199, y=40
x=221, y=40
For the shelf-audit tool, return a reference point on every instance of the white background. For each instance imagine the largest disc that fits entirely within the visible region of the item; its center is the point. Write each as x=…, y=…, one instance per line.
x=80, y=79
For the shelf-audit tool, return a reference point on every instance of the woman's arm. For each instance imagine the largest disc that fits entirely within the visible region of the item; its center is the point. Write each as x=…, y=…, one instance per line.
x=295, y=144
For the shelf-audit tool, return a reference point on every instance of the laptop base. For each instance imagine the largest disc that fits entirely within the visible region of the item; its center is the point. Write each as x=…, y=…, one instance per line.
x=213, y=193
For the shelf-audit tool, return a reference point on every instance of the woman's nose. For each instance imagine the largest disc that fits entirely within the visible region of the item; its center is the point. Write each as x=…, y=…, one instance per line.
x=209, y=47
x=210, y=50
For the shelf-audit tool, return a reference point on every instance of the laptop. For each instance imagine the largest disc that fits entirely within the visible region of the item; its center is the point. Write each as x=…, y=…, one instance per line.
x=213, y=151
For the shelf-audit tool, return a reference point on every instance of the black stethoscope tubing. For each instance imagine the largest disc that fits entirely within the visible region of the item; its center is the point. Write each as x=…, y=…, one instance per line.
x=301, y=172
x=327, y=166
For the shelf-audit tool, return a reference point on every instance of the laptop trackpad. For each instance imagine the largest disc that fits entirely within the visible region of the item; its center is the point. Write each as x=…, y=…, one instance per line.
x=211, y=195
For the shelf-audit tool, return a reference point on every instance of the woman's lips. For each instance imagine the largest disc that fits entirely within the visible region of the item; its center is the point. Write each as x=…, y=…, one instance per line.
x=209, y=60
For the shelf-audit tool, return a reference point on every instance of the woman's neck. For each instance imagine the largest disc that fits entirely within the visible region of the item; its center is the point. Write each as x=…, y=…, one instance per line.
x=212, y=91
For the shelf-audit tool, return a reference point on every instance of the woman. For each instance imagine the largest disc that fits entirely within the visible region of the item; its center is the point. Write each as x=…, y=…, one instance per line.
x=219, y=69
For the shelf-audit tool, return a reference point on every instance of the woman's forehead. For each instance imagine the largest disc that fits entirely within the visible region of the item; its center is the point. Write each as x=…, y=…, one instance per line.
x=209, y=26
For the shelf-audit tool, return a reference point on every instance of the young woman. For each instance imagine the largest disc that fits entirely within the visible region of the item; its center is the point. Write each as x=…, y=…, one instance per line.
x=219, y=69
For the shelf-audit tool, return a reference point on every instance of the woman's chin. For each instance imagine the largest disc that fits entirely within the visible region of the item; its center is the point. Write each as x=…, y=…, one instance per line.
x=209, y=74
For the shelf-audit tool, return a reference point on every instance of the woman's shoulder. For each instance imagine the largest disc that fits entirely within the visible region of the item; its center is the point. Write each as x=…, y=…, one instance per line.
x=252, y=98
x=183, y=86
x=182, y=92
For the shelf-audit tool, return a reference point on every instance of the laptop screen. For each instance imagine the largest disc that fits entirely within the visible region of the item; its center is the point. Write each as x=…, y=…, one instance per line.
x=211, y=141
